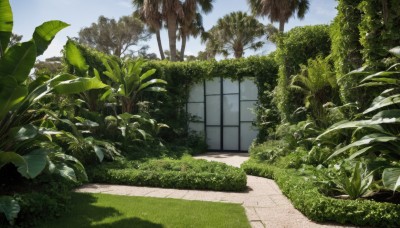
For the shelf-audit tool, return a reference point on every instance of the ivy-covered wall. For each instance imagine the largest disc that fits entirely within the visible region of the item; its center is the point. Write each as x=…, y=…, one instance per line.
x=169, y=107
x=294, y=48
x=379, y=30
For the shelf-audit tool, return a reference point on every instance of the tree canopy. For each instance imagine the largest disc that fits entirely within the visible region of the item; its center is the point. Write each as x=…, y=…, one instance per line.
x=115, y=37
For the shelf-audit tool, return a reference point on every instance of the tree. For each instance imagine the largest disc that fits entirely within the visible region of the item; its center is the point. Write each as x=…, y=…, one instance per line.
x=235, y=32
x=171, y=12
x=150, y=14
x=279, y=10
x=192, y=22
x=114, y=37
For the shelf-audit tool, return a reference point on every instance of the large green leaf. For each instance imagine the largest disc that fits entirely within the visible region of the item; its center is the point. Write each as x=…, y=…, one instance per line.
x=151, y=83
x=78, y=85
x=391, y=178
x=388, y=101
x=6, y=24
x=24, y=132
x=9, y=207
x=75, y=57
x=36, y=162
x=147, y=74
x=45, y=33
x=11, y=157
x=11, y=94
x=18, y=61
x=367, y=140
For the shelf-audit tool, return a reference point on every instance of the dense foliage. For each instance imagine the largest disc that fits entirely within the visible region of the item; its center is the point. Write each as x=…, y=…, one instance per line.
x=294, y=48
x=166, y=173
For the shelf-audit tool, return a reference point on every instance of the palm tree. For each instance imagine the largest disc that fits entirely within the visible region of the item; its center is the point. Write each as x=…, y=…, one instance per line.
x=171, y=12
x=192, y=22
x=279, y=10
x=149, y=13
x=235, y=32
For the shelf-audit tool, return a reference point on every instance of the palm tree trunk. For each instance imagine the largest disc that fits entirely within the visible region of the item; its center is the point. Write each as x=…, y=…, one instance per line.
x=282, y=25
x=172, y=24
x=183, y=47
x=238, y=52
x=160, y=48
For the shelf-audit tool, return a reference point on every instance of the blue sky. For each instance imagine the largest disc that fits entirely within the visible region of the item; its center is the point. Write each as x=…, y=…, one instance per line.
x=81, y=13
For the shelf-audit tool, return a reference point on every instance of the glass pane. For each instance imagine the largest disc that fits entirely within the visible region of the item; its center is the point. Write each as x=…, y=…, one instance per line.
x=231, y=138
x=248, y=90
x=213, y=107
x=231, y=110
x=247, y=134
x=214, y=138
x=197, y=127
x=246, y=110
x=197, y=110
x=231, y=87
x=197, y=93
x=213, y=86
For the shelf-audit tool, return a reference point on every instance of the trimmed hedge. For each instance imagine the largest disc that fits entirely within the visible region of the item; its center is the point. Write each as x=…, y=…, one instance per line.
x=318, y=207
x=166, y=173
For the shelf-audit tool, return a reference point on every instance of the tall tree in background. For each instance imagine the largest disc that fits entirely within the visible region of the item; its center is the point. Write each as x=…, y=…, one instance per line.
x=114, y=37
x=149, y=13
x=15, y=38
x=192, y=22
x=235, y=32
x=173, y=11
x=279, y=10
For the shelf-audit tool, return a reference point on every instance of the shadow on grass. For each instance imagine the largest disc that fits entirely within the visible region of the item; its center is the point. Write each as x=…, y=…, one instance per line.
x=84, y=213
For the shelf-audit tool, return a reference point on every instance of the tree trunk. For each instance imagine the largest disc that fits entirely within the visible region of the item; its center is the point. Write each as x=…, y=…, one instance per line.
x=172, y=35
x=160, y=48
x=183, y=47
x=238, y=52
x=282, y=25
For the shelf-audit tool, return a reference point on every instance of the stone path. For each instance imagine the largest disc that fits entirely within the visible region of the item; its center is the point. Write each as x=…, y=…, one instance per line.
x=264, y=203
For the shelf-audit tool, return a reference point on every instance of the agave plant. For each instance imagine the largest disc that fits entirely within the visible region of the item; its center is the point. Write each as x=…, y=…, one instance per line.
x=377, y=133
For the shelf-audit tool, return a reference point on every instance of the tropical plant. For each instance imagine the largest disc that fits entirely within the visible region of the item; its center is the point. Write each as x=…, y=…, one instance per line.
x=114, y=37
x=377, y=135
x=355, y=184
x=189, y=27
x=235, y=32
x=130, y=82
x=22, y=143
x=279, y=10
x=318, y=83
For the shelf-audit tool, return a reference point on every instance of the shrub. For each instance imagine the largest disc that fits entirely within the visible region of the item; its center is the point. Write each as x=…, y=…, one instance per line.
x=167, y=173
x=306, y=197
x=295, y=48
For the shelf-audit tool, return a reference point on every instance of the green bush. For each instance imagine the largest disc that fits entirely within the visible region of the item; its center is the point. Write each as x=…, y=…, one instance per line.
x=46, y=197
x=168, y=173
x=294, y=48
x=306, y=197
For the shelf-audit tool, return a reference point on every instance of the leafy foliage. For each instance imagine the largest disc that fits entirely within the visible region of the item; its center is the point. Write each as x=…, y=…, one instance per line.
x=186, y=173
x=295, y=48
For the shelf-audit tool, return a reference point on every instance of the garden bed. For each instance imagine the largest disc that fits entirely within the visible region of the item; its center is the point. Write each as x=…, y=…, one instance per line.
x=187, y=173
x=306, y=197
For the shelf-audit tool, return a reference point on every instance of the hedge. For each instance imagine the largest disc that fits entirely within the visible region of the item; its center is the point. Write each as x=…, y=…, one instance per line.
x=180, y=174
x=305, y=196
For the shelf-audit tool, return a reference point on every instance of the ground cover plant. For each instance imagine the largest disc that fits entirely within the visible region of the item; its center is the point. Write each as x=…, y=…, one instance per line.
x=100, y=210
x=186, y=173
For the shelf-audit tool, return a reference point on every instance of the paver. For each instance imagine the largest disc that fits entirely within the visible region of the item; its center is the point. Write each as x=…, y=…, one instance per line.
x=264, y=203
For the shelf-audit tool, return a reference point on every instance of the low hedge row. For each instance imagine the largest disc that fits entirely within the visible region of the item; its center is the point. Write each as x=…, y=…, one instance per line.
x=318, y=207
x=166, y=173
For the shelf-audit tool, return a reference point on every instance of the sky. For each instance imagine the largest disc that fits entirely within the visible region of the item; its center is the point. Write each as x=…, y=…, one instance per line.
x=82, y=13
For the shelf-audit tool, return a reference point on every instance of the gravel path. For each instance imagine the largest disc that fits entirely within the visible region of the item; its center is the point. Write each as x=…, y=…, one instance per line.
x=264, y=203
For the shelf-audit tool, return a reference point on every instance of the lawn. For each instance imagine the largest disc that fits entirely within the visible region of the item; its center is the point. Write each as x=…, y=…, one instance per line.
x=102, y=210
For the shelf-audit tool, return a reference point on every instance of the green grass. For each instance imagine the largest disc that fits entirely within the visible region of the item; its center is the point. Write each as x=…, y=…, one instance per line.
x=102, y=210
